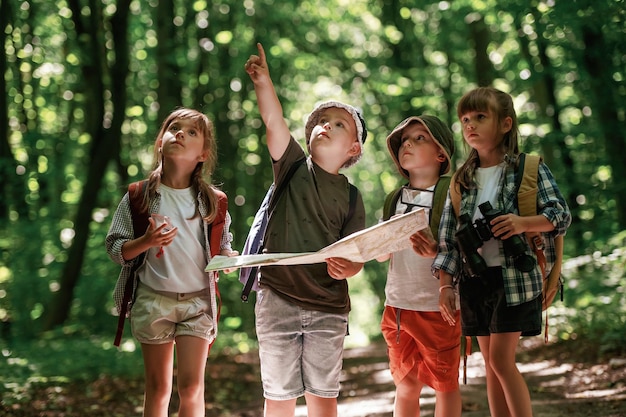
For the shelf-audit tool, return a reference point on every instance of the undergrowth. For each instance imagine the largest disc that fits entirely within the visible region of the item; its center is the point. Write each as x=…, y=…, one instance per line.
x=593, y=313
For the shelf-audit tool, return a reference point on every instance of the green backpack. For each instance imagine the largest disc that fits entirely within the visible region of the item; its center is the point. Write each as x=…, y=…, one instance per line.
x=439, y=200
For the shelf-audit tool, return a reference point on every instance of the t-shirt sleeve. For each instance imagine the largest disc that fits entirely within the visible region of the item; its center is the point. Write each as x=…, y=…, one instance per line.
x=293, y=153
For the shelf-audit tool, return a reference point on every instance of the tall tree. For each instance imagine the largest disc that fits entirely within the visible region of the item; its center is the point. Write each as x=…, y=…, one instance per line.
x=104, y=130
x=480, y=36
x=544, y=92
x=603, y=91
x=13, y=190
x=167, y=52
x=6, y=156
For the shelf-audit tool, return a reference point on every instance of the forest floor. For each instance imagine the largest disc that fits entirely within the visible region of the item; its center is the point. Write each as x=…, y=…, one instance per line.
x=565, y=379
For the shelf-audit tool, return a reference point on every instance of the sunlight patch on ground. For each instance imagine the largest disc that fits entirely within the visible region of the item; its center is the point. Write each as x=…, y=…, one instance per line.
x=378, y=372
x=375, y=405
x=475, y=366
x=600, y=393
x=544, y=368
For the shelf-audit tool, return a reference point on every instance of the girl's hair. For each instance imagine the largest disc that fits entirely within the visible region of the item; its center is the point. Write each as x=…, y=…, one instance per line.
x=483, y=99
x=201, y=176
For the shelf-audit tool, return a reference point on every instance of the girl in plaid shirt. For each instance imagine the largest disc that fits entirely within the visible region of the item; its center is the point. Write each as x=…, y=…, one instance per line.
x=502, y=301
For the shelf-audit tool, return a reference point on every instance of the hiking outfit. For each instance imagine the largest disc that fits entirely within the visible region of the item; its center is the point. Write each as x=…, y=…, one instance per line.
x=505, y=299
x=173, y=294
x=418, y=338
x=301, y=311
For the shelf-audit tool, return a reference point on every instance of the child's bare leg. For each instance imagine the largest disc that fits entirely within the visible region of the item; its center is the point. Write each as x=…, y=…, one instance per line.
x=191, y=356
x=407, y=402
x=495, y=395
x=514, y=388
x=158, y=363
x=274, y=408
x=320, y=406
x=448, y=404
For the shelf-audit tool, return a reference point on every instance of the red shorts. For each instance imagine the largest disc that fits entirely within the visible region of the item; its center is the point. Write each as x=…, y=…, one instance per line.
x=424, y=343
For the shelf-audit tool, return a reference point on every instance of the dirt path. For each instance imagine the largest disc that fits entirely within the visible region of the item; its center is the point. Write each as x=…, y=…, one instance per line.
x=558, y=387
x=562, y=383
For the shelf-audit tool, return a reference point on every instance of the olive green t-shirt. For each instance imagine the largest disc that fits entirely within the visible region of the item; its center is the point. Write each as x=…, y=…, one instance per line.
x=311, y=213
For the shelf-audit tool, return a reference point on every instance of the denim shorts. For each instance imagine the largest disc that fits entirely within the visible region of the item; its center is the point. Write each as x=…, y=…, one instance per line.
x=157, y=318
x=484, y=309
x=300, y=350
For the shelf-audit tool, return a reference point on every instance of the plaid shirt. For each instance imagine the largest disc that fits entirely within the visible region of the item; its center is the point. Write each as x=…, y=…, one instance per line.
x=121, y=231
x=519, y=287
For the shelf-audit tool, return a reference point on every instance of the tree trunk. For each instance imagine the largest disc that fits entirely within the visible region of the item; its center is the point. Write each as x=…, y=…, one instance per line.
x=6, y=157
x=544, y=91
x=168, y=91
x=105, y=148
x=480, y=36
x=13, y=189
x=603, y=91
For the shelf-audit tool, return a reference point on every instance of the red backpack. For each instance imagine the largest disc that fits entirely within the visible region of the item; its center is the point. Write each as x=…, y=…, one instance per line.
x=140, y=216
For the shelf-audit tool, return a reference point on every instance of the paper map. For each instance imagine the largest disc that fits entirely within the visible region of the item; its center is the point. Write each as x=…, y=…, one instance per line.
x=365, y=245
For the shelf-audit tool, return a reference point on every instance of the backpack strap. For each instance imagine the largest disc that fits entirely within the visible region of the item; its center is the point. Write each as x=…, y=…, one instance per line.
x=439, y=201
x=526, y=184
x=281, y=187
x=455, y=195
x=273, y=194
x=139, y=215
x=216, y=228
x=390, y=202
x=351, y=204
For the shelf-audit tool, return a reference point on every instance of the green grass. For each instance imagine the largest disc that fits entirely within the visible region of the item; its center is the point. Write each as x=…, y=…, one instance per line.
x=59, y=358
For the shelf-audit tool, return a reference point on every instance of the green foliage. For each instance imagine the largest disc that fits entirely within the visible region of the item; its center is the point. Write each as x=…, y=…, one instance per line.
x=392, y=59
x=66, y=355
x=594, y=307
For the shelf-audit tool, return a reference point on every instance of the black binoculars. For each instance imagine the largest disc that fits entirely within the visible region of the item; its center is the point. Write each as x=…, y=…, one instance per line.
x=470, y=237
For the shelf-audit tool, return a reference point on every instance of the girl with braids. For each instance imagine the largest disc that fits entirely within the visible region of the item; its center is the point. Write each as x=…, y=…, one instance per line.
x=175, y=299
x=503, y=301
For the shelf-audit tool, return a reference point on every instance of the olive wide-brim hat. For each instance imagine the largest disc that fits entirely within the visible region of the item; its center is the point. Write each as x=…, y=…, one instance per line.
x=438, y=130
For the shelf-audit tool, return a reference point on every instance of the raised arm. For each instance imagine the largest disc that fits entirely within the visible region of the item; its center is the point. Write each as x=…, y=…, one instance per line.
x=269, y=106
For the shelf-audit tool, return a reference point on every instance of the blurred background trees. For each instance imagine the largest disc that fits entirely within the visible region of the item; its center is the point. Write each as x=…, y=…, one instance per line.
x=87, y=83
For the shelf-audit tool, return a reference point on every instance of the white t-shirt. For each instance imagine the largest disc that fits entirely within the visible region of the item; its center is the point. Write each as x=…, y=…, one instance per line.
x=487, y=180
x=181, y=266
x=410, y=284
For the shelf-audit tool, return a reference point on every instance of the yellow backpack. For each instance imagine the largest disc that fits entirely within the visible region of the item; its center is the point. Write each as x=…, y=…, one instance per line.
x=527, y=205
